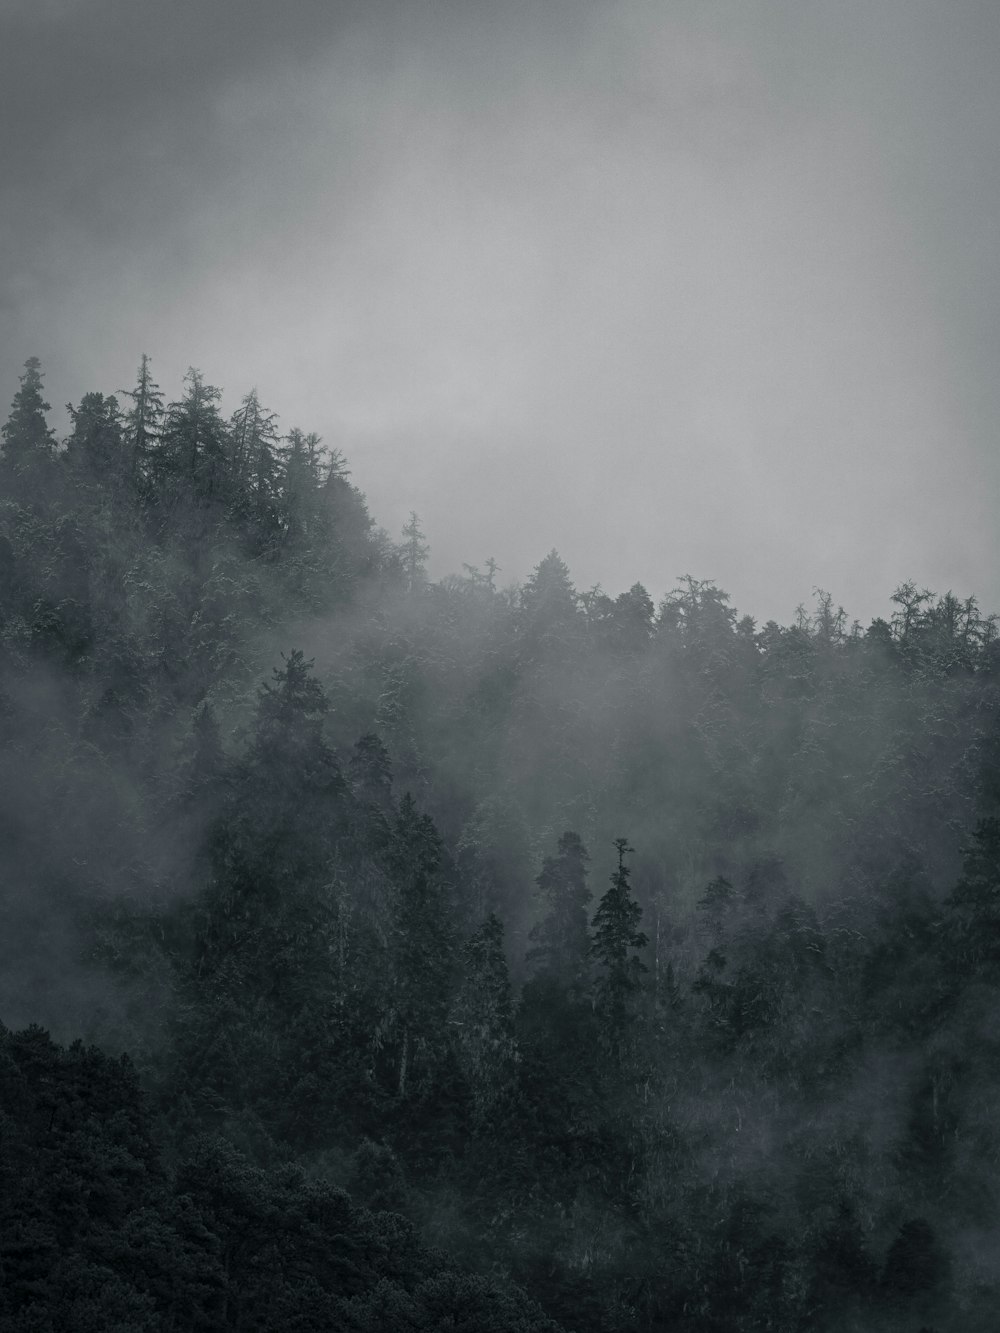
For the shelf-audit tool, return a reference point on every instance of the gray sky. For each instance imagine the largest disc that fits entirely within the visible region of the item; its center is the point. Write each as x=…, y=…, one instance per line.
x=673, y=287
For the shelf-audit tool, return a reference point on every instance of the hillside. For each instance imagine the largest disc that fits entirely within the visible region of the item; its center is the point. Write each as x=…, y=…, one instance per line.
x=517, y=954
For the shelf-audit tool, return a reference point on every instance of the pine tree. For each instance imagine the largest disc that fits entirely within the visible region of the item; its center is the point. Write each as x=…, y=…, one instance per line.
x=549, y=605
x=632, y=618
x=300, y=481
x=281, y=825
x=561, y=940
x=616, y=940
x=414, y=552
x=28, y=441
x=143, y=426
x=288, y=735
x=96, y=448
x=423, y=945
x=194, y=447
x=254, y=464
x=268, y=915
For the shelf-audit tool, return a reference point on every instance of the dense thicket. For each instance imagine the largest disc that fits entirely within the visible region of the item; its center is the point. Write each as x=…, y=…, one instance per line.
x=346, y=924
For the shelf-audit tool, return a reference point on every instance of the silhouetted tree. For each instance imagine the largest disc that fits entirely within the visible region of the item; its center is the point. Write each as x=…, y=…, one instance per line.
x=255, y=466
x=616, y=942
x=560, y=942
x=96, y=448
x=143, y=429
x=193, y=450
x=413, y=552
x=549, y=606
x=423, y=942
x=28, y=442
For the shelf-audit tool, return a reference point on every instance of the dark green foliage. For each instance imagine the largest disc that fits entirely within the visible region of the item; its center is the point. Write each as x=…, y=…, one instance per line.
x=254, y=467
x=143, y=427
x=28, y=442
x=788, y=1122
x=617, y=939
x=96, y=1234
x=191, y=457
x=422, y=945
x=96, y=448
x=549, y=608
x=561, y=940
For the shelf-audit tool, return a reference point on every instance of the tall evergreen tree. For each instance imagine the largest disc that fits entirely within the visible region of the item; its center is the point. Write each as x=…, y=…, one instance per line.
x=414, y=552
x=633, y=619
x=143, y=425
x=194, y=446
x=265, y=923
x=254, y=463
x=279, y=830
x=423, y=945
x=617, y=938
x=560, y=942
x=300, y=481
x=96, y=447
x=549, y=605
x=28, y=441
x=288, y=734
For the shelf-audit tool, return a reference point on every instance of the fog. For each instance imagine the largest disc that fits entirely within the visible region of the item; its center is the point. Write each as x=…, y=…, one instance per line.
x=671, y=287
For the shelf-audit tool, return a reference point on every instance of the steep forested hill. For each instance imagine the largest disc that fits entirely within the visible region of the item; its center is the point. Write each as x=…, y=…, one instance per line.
x=470, y=956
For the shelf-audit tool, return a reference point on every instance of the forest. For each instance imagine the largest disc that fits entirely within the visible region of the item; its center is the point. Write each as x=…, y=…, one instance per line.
x=383, y=953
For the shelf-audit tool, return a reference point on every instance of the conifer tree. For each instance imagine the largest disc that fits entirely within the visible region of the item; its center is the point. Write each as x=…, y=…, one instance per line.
x=28, y=441
x=143, y=425
x=423, y=946
x=549, y=605
x=300, y=480
x=254, y=464
x=267, y=909
x=560, y=942
x=96, y=449
x=194, y=444
x=288, y=735
x=616, y=940
x=414, y=552
x=279, y=830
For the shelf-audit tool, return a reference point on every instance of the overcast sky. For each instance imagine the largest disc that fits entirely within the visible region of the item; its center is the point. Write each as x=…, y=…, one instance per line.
x=707, y=288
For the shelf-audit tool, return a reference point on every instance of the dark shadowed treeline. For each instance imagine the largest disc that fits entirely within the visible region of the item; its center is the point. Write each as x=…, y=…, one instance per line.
x=466, y=940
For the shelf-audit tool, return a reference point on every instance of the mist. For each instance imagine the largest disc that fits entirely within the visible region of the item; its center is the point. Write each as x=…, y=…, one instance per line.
x=672, y=288
x=499, y=667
